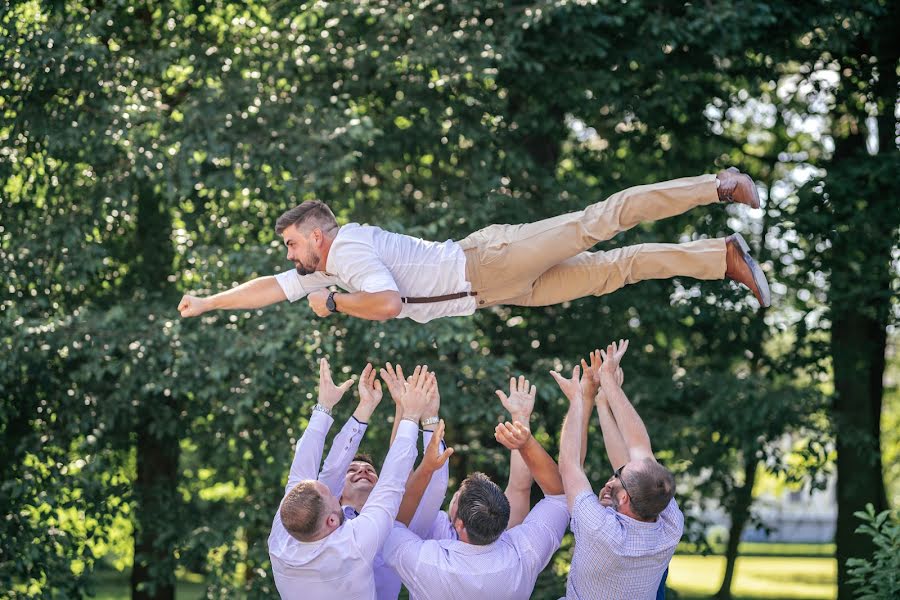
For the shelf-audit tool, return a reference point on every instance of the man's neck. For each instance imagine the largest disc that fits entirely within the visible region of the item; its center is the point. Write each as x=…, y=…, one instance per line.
x=357, y=502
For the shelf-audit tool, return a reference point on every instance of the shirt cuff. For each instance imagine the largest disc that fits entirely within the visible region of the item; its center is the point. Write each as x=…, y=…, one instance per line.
x=408, y=429
x=364, y=425
x=319, y=421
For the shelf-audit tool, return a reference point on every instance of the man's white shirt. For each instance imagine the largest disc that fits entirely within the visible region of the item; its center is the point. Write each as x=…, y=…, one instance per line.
x=340, y=565
x=363, y=258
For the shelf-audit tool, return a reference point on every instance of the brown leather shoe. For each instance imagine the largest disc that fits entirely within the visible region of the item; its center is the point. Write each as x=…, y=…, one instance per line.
x=735, y=186
x=740, y=267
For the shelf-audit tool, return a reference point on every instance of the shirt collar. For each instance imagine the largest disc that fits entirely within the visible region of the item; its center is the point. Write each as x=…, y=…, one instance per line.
x=349, y=512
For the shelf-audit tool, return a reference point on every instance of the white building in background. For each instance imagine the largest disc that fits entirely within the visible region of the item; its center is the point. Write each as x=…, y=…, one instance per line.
x=790, y=516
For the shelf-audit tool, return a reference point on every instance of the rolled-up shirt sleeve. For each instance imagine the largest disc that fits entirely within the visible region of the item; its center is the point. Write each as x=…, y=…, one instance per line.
x=296, y=286
x=372, y=526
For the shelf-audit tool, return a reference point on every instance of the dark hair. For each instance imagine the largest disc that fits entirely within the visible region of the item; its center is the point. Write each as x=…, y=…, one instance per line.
x=363, y=457
x=302, y=510
x=312, y=212
x=483, y=509
x=650, y=488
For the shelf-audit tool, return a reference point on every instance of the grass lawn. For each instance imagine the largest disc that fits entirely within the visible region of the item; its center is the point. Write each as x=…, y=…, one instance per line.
x=756, y=577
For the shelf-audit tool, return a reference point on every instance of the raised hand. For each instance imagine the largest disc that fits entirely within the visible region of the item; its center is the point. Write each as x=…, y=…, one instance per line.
x=415, y=397
x=612, y=356
x=590, y=376
x=600, y=398
x=396, y=383
x=570, y=387
x=329, y=393
x=433, y=458
x=434, y=400
x=520, y=401
x=370, y=394
x=512, y=435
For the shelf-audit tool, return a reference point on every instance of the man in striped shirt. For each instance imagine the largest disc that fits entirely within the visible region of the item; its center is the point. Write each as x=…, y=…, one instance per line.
x=626, y=536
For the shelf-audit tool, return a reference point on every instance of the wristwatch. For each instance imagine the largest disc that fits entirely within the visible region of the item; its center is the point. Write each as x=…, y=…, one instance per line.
x=322, y=408
x=430, y=421
x=329, y=303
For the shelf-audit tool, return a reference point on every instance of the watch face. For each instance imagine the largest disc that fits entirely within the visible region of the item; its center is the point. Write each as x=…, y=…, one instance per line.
x=329, y=303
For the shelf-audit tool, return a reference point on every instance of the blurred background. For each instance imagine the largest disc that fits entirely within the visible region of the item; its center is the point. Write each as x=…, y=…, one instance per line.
x=146, y=149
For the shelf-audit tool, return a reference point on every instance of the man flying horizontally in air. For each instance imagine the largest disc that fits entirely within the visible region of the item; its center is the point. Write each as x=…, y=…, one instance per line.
x=389, y=275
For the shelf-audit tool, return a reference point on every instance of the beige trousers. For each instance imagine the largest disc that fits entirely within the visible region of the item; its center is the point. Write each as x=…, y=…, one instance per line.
x=543, y=263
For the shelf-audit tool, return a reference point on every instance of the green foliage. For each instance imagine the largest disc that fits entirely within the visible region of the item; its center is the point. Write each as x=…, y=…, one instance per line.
x=147, y=149
x=878, y=576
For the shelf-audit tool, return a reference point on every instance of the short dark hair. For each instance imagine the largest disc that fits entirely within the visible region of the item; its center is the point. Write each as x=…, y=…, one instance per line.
x=363, y=457
x=483, y=509
x=311, y=212
x=650, y=488
x=302, y=511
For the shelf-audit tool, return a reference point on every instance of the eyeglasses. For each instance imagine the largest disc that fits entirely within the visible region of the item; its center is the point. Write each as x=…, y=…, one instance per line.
x=618, y=475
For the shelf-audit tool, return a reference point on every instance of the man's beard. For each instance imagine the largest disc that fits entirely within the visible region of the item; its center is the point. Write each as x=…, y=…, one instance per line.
x=304, y=271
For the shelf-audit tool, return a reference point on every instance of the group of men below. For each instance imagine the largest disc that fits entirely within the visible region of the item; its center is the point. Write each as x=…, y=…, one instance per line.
x=347, y=532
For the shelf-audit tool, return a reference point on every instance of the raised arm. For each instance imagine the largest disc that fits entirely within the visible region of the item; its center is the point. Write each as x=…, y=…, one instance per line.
x=396, y=385
x=516, y=436
x=346, y=442
x=570, y=467
x=255, y=293
x=520, y=404
x=371, y=527
x=309, y=449
x=616, y=449
x=436, y=488
x=590, y=385
x=433, y=460
x=630, y=424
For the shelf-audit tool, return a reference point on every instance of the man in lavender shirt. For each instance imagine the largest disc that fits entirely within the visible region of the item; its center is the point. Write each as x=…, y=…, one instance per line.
x=481, y=558
x=626, y=536
x=315, y=551
x=361, y=475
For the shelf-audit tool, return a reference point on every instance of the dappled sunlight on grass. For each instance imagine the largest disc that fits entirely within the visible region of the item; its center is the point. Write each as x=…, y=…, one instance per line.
x=756, y=577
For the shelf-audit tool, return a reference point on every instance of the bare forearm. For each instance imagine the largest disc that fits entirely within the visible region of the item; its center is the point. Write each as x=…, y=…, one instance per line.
x=574, y=480
x=518, y=489
x=415, y=488
x=543, y=468
x=378, y=306
x=570, y=438
x=586, y=411
x=255, y=293
x=612, y=437
x=629, y=423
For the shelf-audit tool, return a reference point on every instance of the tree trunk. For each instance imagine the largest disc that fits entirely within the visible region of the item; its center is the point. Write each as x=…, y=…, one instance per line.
x=155, y=491
x=740, y=514
x=153, y=574
x=860, y=311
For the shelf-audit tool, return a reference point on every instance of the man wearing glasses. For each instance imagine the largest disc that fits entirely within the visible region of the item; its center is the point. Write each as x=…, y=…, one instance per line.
x=626, y=535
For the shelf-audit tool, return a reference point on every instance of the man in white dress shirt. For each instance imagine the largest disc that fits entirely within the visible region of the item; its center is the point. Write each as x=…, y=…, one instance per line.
x=316, y=552
x=481, y=558
x=626, y=535
x=388, y=275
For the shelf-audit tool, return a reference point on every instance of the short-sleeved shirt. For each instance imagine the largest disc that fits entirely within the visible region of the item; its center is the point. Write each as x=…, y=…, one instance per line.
x=506, y=569
x=619, y=557
x=369, y=259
